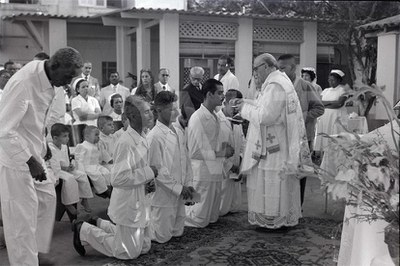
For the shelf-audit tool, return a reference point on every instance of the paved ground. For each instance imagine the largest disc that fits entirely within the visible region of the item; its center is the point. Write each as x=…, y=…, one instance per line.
x=62, y=251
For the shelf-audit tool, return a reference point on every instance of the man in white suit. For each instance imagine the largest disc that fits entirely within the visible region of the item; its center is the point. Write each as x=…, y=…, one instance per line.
x=162, y=84
x=110, y=90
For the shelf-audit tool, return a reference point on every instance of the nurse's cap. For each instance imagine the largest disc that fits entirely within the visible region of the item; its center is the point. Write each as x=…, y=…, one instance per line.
x=338, y=72
x=76, y=82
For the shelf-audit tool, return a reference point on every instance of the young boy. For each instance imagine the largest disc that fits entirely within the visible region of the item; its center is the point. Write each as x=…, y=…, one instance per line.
x=88, y=157
x=75, y=183
x=168, y=204
x=106, y=143
x=231, y=190
x=127, y=236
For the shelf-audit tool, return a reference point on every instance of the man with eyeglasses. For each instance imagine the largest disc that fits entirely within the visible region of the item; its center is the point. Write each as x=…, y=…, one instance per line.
x=228, y=79
x=276, y=147
x=162, y=84
x=191, y=95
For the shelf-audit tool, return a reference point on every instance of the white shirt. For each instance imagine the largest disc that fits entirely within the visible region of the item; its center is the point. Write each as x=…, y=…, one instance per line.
x=107, y=92
x=229, y=81
x=24, y=105
x=59, y=158
x=129, y=174
x=106, y=145
x=88, y=156
x=203, y=131
x=164, y=151
x=115, y=116
x=87, y=107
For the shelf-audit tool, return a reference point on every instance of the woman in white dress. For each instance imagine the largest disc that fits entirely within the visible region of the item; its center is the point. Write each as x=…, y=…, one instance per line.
x=334, y=100
x=85, y=108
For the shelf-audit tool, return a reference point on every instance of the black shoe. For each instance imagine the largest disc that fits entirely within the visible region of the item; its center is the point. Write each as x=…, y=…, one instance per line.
x=76, y=225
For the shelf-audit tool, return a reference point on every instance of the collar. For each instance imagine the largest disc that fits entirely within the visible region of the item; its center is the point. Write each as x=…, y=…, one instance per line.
x=44, y=80
x=228, y=72
x=87, y=143
x=166, y=85
x=112, y=86
x=102, y=135
x=83, y=76
x=178, y=125
x=163, y=127
x=222, y=116
x=207, y=113
x=137, y=138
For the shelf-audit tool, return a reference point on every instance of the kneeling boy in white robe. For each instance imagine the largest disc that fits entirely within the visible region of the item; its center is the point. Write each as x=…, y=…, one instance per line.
x=207, y=156
x=168, y=204
x=231, y=189
x=127, y=236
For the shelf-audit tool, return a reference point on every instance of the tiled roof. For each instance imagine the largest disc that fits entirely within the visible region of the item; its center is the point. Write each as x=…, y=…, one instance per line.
x=389, y=22
x=225, y=14
x=41, y=15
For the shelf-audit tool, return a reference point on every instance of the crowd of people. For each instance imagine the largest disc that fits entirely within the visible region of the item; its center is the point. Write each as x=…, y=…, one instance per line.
x=178, y=159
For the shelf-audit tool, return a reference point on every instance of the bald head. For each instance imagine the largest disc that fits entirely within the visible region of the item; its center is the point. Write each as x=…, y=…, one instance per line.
x=263, y=65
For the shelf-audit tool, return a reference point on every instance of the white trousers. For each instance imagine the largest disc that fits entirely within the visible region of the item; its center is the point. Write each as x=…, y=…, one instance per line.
x=101, y=178
x=75, y=185
x=207, y=210
x=28, y=212
x=231, y=196
x=167, y=222
x=121, y=242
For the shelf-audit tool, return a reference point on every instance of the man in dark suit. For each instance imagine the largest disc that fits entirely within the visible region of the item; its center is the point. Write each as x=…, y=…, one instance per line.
x=191, y=96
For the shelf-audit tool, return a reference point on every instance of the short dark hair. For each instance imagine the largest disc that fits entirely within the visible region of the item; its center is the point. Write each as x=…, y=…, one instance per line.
x=286, y=57
x=41, y=56
x=88, y=129
x=58, y=129
x=164, y=98
x=232, y=94
x=8, y=63
x=309, y=72
x=210, y=85
x=101, y=121
x=78, y=84
x=228, y=59
x=114, y=96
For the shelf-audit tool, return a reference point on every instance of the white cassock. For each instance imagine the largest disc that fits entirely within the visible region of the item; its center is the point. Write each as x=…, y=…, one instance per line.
x=203, y=132
x=106, y=145
x=88, y=156
x=129, y=206
x=231, y=191
x=75, y=184
x=27, y=209
x=167, y=208
x=275, y=141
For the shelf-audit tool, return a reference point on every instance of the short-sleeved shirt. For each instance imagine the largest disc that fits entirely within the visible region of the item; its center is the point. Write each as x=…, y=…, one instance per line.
x=88, y=107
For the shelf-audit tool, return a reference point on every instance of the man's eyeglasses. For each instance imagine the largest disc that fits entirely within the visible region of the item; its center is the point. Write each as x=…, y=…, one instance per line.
x=165, y=75
x=256, y=68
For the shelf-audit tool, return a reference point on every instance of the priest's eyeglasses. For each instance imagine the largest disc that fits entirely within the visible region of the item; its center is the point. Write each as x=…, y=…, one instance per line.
x=256, y=68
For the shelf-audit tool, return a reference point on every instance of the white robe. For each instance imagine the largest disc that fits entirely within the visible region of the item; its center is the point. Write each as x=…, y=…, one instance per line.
x=231, y=191
x=88, y=158
x=203, y=132
x=272, y=156
x=129, y=206
x=168, y=208
x=75, y=184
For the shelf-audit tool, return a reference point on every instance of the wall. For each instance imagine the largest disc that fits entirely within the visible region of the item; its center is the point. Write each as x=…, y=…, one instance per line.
x=95, y=42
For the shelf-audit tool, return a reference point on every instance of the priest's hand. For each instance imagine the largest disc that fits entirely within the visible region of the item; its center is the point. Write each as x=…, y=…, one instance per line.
x=235, y=169
x=36, y=169
x=186, y=193
x=241, y=177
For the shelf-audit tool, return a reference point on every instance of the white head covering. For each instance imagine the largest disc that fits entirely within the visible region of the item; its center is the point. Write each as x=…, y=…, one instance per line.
x=338, y=72
x=76, y=82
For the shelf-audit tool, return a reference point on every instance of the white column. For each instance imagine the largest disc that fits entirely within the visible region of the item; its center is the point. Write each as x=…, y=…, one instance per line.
x=308, y=49
x=123, y=43
x=57, y=35
x=142, y=47
x=388, y=70
x=169, y=47
x=244, y=53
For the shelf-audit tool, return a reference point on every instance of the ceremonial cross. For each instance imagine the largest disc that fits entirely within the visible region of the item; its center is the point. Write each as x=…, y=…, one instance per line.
x=270, y=138
x=258, y=145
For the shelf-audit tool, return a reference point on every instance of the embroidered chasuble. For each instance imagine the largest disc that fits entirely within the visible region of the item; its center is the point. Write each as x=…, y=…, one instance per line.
x=276, y=148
